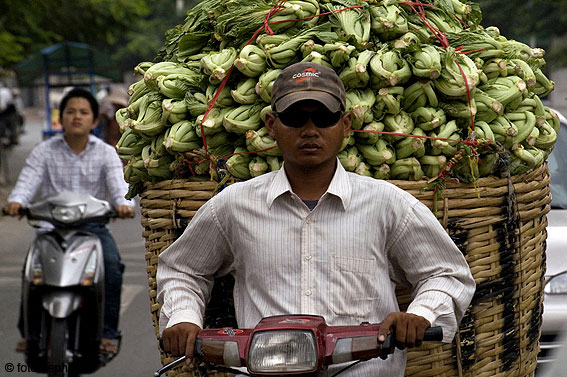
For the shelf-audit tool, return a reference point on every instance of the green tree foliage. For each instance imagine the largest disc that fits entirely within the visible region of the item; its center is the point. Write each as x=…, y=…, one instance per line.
x=536, y=22
x=128, y=30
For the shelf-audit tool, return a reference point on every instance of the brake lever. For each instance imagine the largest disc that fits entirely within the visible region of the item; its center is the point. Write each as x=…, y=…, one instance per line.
x=170, y=366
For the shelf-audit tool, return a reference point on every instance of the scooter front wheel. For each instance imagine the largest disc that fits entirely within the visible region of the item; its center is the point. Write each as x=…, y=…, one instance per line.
x=57, y=361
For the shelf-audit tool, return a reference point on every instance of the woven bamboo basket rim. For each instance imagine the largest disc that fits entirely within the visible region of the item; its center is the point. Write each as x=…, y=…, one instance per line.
x=507, y=265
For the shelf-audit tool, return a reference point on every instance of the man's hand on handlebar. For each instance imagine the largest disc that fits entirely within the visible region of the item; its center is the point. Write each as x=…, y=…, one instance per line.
x=124, y=211
x=179, y=340
x=13, y=208
x=409, y=329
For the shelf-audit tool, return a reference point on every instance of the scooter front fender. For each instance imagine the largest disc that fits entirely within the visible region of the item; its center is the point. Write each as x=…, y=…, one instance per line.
x=61, y=304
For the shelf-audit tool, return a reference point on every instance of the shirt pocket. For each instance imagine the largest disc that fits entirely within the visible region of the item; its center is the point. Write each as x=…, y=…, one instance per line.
x=352, y=284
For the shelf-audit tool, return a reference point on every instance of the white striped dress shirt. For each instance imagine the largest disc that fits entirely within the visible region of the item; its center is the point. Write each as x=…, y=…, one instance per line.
x=53, y=167
x=342, y=260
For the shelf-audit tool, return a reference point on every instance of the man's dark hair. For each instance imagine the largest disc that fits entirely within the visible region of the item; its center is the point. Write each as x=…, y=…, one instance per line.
x=82, y=93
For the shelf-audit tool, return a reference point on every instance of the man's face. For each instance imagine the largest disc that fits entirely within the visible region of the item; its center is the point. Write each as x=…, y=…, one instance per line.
x=306, y=145
x=78, y=118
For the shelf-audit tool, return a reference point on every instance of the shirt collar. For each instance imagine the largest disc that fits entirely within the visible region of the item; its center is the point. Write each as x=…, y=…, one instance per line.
x=63, y=142
x=339, y=186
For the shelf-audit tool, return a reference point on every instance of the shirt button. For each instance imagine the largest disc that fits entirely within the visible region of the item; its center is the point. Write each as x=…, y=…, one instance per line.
x=308, y=292
x=308, y=257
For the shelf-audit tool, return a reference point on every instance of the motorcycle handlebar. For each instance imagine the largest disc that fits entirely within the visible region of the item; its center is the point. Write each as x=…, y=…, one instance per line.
x=432, y=334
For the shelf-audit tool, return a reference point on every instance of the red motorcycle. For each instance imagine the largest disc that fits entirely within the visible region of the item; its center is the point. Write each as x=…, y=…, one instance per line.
x=291, y=345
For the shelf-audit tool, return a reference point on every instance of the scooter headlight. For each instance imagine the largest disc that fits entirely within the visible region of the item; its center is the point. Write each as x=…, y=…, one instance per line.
x=64, y=214
x=283, y=351
x=90, y=270
x=36, y=271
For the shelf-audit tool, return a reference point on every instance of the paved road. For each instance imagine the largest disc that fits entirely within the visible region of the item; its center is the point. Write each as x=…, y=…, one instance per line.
x=138, y=356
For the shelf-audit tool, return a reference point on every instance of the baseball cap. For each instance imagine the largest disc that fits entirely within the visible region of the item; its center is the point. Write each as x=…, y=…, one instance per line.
x=306, y=80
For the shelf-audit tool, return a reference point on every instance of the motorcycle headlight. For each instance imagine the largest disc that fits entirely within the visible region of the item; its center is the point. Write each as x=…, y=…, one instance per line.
x=557, y=285
x=36, y=270
x=283, y=351
x=65, y=214
x=90, y=270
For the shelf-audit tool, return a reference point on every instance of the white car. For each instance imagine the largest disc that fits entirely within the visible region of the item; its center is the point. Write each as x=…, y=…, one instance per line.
x=555, y=292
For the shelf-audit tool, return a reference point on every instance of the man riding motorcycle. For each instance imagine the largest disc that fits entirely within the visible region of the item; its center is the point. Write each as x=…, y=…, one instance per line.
x=79, y=162
x=312, y=238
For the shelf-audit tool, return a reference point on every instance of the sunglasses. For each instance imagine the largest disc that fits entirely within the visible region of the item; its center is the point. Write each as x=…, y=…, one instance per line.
x=320, y=118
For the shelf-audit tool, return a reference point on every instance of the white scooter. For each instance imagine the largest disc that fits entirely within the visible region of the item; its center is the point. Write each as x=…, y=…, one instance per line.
x=63, y=286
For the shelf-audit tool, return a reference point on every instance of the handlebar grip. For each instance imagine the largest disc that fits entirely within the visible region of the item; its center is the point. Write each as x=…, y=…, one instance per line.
x=433, y=334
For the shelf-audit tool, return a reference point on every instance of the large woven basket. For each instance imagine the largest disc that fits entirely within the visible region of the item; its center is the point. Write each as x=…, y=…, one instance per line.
x=500, y=226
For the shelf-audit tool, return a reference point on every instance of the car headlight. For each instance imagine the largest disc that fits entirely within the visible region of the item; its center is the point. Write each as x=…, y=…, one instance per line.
x=65, y=214
x=283, y=351
x=557, y=285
